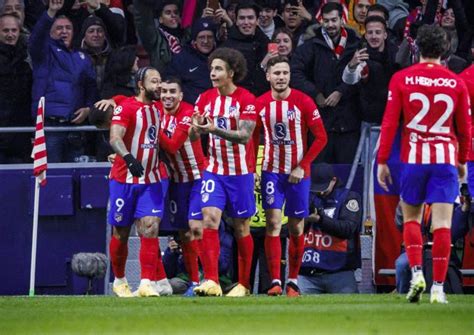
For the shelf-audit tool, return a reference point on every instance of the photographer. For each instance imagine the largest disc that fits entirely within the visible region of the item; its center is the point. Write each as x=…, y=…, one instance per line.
x=332, y=251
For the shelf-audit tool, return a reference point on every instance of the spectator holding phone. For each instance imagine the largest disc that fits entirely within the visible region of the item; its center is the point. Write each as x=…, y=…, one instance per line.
x=246, y=37
x=296, y=19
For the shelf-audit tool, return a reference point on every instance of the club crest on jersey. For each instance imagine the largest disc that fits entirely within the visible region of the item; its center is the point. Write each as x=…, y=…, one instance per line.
x=205, y=197
x=413, y=137
x=118, y=217
x=232, y=111
x=291, y=114
x=118, y=110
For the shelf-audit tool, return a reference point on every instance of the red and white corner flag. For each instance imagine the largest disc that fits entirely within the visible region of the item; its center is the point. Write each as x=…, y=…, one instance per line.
x=40, y=161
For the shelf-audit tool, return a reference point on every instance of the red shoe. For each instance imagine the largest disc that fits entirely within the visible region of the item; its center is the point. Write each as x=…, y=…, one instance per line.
x=275, y=290
x=292, y=290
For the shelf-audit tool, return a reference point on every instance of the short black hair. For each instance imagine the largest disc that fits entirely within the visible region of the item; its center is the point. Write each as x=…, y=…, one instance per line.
x=164, y=3
x=272, y=4
x=375, y=18
x=248, y=5
x=330, y=6
x=173, y=80
x=234, y=60
x=379, y=8
x=99, y=117
x=276, y=60
x=432, y=41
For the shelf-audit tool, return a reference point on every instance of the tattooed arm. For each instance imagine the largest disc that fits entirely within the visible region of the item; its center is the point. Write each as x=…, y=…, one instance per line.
x=117, y=132
x=240, y=136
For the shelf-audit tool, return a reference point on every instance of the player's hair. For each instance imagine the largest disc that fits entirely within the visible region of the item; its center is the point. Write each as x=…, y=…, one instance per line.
x=141, y=73
x=375, y=18
x=234, y=60
x=432, y=41
x=275, y=60
x=330, y=6
x=98, y=117
x=379, y=8
x=173, y=80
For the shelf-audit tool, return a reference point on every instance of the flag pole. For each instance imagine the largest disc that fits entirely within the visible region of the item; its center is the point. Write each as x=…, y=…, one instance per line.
x=34, y=238
x=40, y=164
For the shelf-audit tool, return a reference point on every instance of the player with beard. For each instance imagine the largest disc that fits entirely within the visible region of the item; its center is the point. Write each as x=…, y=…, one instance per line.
x=227, y=113
x=135, y=187
x=187, y=162
x=287, y=115
x=432, y=105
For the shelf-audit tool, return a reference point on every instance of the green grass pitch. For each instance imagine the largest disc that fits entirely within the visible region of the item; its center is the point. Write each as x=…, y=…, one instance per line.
x=325, y=314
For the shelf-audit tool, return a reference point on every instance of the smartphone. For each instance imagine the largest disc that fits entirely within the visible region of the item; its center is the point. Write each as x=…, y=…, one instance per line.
x=363, y=44
x=272, y=47
x=214, y=4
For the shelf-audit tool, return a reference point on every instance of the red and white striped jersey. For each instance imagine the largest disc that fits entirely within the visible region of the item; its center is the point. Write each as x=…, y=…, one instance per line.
x=188, y=162
x=226, y=157
x=468, y=77
x=286, y=124
x=433, y=105
x=142, y=123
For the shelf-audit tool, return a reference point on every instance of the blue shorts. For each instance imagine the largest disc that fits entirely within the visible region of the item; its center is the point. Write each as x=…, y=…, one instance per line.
x=429, y=183
x=185, y=203
x=276, y=190
x=470, y=177
x=231, y=193
x=134, y=201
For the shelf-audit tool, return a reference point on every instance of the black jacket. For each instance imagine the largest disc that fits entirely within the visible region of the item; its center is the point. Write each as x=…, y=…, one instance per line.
x=190, y=66
x=15, y=90
x=15, y=99
x=373, y=91
x=254, y=49
x=315, y=69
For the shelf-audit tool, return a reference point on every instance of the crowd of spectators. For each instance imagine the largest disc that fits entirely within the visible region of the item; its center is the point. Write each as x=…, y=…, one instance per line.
x=76, y=52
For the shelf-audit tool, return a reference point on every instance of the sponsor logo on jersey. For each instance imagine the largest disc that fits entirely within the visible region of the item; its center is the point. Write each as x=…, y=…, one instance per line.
x=316, y=114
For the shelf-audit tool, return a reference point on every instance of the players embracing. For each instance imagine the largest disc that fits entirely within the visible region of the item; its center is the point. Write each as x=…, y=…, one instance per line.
x=287, y=116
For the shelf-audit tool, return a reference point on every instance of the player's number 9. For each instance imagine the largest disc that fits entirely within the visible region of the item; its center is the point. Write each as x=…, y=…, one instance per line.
x=119, y=203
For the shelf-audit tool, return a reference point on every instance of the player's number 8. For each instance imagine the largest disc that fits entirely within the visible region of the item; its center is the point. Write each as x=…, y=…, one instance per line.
x=270, y=187
x=208, y=186
x=119, y=203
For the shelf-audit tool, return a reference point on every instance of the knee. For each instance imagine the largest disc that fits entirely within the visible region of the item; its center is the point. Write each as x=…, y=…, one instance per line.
x=273, y=227
x=211, y=220
x=148, y=228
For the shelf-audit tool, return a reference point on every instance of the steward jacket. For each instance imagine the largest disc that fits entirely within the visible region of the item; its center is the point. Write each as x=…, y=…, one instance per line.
x=332, y=244
x=66, y=78
x=315, y=69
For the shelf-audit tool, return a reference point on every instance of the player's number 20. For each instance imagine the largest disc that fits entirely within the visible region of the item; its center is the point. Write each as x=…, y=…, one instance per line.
x=208, y=186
